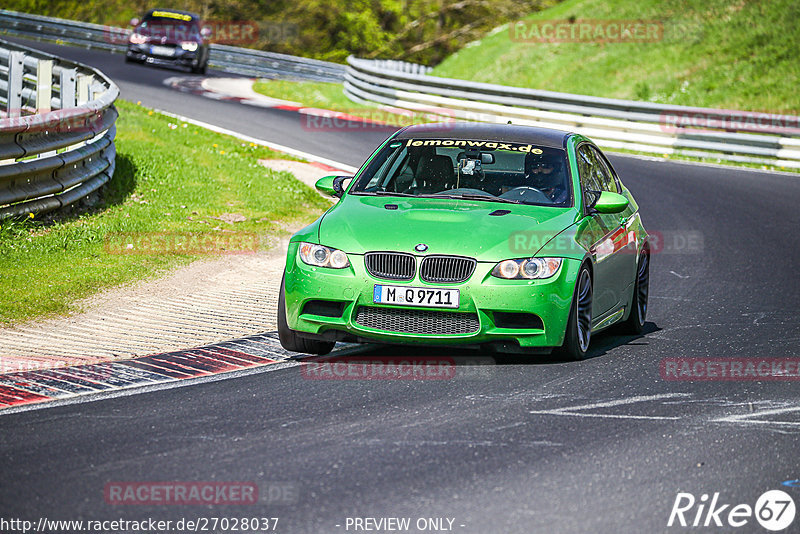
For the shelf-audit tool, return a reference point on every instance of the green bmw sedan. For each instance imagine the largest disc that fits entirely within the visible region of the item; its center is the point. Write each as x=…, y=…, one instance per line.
x=502, y=237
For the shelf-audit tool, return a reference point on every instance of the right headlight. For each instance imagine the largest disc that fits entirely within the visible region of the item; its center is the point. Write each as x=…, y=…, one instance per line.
x=527, y=268
x=322, y=256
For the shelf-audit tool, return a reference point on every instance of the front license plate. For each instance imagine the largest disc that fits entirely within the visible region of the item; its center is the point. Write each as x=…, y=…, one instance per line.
x=162, y=51
x=415, y=296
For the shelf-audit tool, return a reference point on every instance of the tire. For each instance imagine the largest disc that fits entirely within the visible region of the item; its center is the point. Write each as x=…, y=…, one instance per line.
x=578, y=335
x=292, y=340
x=200, y=69
x=641, y=290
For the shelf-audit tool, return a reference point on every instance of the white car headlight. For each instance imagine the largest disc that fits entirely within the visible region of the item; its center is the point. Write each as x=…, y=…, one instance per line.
x=137, y=38
x=189, y=46
x=527, y=268
x=322, y=256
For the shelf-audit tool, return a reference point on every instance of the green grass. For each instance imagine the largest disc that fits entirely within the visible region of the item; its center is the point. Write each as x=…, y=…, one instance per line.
x=170, y=177
x=715, y=53
x=313, y=94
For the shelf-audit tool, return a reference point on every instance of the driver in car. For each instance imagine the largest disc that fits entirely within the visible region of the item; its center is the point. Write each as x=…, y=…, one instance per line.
x=546, y=173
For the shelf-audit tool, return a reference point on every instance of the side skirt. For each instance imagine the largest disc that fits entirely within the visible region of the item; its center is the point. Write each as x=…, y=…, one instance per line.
x=609, y=320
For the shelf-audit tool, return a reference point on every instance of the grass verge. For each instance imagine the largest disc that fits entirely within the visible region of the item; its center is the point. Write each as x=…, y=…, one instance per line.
x=170, y=177
x=324, y=95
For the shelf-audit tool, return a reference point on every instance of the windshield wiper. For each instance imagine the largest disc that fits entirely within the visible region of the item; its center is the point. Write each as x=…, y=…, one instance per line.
x=382, y=194
x=392, y=194
x=468, y=196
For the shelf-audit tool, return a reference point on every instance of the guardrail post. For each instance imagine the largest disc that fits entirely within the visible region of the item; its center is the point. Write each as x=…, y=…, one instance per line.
x=68, y=78
x=44, y=85
x=16, y=69
x=84, y=83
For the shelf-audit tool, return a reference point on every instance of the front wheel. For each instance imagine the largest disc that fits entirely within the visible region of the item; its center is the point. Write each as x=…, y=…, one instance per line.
x=579, y=326
x=200, y=68
x=641, y=289
x=292, y=340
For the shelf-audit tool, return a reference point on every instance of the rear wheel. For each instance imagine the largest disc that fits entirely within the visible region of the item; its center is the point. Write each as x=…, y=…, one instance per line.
x=635, y=322
x=579, y=326
x=292, y=340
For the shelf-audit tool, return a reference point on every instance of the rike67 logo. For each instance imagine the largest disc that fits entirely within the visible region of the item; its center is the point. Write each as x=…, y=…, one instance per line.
x=774, y=510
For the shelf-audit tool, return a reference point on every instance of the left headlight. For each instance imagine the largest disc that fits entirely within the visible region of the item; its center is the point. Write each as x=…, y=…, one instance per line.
x=137, y=38
x=527, y=268
x=322, y=256
x=189, y=46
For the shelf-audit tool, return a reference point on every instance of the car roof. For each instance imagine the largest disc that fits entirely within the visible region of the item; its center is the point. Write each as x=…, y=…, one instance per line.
x=510, y=133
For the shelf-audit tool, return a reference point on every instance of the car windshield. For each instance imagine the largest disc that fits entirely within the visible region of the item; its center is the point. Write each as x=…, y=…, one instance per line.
x=170, y=28
x=491, y=171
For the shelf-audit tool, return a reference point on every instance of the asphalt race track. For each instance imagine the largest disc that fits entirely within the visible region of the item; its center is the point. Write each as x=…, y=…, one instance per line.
x=509, y=444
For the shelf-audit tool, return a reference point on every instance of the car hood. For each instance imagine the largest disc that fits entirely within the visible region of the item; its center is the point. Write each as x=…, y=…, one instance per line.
x=359, y=224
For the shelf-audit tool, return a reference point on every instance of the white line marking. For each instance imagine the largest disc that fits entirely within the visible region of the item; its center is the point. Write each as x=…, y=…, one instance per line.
x=679, y=275
x=628, y=400
x=573, y=410
x=274, y=146
x=608, y=416
x=748, y=417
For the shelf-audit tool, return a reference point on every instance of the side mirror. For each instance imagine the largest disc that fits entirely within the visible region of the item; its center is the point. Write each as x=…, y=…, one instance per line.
x=134, y=22
x=205, y=32
x=332, y=185
x=609, y=202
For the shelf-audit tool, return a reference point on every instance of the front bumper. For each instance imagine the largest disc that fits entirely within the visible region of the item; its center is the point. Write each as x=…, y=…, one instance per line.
x=180, y=57
x=483, y=297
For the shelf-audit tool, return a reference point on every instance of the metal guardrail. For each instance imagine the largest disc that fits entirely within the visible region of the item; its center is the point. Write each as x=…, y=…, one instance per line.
x=57, y=128
x=612, y=123
x=226, y=58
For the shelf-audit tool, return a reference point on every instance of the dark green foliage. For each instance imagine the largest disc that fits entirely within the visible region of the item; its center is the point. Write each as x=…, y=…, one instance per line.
x=424, y=31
